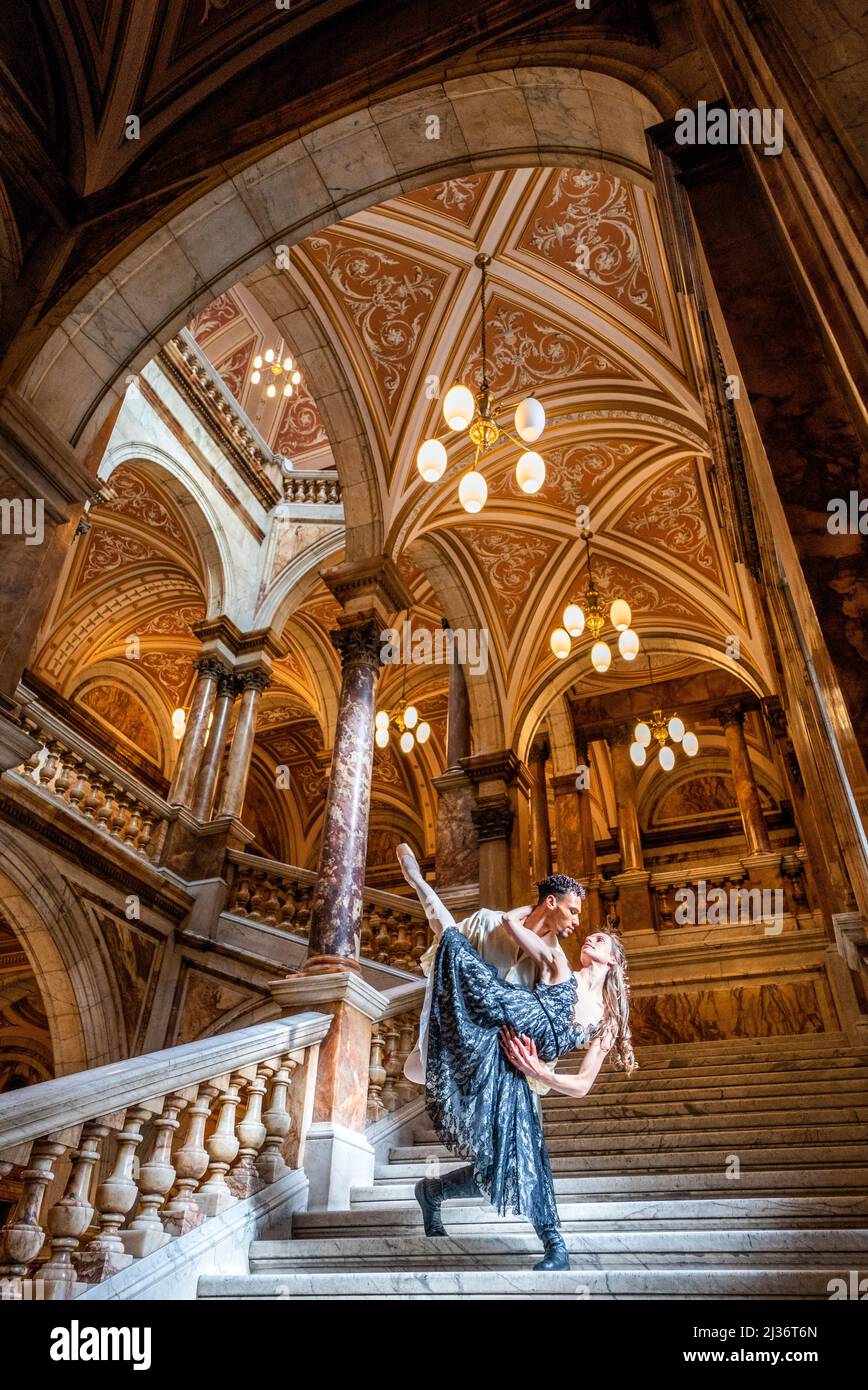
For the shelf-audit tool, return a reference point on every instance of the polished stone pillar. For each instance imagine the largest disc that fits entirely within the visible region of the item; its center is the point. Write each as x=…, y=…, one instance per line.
x=193, y=743
x=540, y=834
x=214, y=747
x=251, y=685
x=336, y=916
x=747, y=796
x=588, y=852
x=458, y=715
x=568, y=825
x=633, y=881
x=457, y=853
x=502, y=819
x=493, y=818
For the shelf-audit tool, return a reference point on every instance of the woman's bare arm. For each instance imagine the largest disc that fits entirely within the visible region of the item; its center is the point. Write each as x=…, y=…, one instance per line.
x=522, y=1053
x=530, y=943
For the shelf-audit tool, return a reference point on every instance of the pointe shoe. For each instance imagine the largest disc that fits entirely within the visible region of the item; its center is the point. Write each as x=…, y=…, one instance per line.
x=556, y=1255
x=428, y=1194
x=409, y=864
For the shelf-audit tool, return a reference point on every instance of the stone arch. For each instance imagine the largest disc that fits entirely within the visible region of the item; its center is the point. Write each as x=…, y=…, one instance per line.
x=79, y=996
x=547, y=115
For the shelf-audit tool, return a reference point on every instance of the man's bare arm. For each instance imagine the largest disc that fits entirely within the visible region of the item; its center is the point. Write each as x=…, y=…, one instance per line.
x=530, y=943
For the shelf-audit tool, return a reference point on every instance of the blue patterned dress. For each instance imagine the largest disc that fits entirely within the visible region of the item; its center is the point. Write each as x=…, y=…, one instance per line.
x=480, y=1105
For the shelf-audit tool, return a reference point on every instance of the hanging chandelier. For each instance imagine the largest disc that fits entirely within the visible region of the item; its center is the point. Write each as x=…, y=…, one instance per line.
x=664, y=732
x=474, y=415
x=276, y=368
x=590, y=617
x=403, y=720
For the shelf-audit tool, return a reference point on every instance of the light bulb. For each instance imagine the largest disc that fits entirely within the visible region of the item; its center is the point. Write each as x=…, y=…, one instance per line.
x=628, y=644
x=620, y=614
x=411, y=717
x=256, y=378
x=574, y=620
x=257, y=362
x=458, y=407
x=431, y=460
x=295, y=378
x=676, y=729
x=642, y=734
x=382, y=719
x=407, y=741
x=666, y=758
x=269, y=356
x=287, y=390
x=271, y=390
x=423, y=733
x=381, y=737
x=530, y=420
x=690, y=744
x=530, y=472
x=179, y=723
x=472, y=492
x=287, y=364
x=637, y=753
x=560, y=643
x=601, y=657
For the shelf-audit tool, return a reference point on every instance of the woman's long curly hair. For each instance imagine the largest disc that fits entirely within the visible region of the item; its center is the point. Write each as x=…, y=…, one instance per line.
x=616, y=1035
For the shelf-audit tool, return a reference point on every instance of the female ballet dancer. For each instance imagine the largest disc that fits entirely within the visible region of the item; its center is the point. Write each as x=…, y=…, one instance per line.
x=479, y=1101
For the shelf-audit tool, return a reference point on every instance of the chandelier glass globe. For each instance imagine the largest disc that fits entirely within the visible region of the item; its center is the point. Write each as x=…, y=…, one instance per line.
x=620, y=614
x=458, y=407
x=642, y=734
x=381, y=737
x=690, y=744
x=666, y=758
x=530, y=472
x=382, y=719
x=472, y=492
x=676, y=729
x=638, y=754
x=601, y=657
x=423, y=733
x=628, y=644
x=574, y=620
x=530, y=420
x=560, y=643
x=411, y=717
x=406, y=741
x=431, y=460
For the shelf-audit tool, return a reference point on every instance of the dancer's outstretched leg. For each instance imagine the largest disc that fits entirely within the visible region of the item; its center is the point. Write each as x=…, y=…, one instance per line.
x=437, y=912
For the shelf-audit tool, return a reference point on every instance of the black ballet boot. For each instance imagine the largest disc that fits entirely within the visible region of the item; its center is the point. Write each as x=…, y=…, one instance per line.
x=556, y=1255
x=430, y=1192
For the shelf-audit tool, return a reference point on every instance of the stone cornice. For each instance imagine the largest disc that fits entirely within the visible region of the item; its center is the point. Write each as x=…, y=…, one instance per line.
x=337, y=987
x=375, y=581
x=504, y=764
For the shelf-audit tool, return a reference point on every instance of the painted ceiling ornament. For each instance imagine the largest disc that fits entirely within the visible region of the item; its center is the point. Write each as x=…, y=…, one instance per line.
x=474, y=415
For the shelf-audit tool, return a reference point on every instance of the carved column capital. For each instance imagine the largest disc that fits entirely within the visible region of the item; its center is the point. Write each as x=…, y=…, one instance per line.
x=255, y=679
x=493, y=819
x=211, y=667
x=620, y=734
x=730, y=714
x=359, y=642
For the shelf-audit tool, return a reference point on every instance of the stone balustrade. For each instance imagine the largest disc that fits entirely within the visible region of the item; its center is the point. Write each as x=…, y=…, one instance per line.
x=678, y=890
x=217, y=1120
x=312, y=488
x=394, y=931
x=71, y=771
x=392, y=1040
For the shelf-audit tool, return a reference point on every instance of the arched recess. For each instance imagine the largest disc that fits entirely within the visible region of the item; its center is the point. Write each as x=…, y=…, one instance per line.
x=553, y=116
x=80, y=997
x=185, y=487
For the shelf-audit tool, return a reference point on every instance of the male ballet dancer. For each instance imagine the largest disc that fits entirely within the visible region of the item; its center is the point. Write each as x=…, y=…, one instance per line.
x=558, y=907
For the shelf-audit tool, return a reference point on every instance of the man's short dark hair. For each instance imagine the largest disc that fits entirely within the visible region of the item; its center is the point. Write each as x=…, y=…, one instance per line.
x=559, y=885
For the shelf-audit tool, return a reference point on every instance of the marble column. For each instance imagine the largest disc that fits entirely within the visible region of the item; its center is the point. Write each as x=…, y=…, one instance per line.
x=588, y=855
x=568, y=825
x=633, y=880
x=493, y=818
x=457, y=854
x=251, y=684
x=540, y=834
x=747, y=795
x=193, y=742
x=458, y=715
x=214, y=747
x=336, y=915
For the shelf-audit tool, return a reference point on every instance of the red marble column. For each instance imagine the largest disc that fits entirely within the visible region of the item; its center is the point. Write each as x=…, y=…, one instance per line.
x=251, y=684
x=193, y=742
x=336, y=915
x=749, y=804
x=540, y=833
x=214, y=747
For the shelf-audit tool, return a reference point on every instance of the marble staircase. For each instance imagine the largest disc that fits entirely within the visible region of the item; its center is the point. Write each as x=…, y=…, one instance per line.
x=720, y=1170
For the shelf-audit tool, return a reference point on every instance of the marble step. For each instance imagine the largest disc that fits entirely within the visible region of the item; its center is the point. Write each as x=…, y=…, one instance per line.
x=602, y=1250
x=770, y=1282
x=659, y=1215
x=759, y=1089
x=721, y=1072
x=788, y=1159
x=760, y=1181
x=616, y=1141
x=781, y=1044
x=619, y=1129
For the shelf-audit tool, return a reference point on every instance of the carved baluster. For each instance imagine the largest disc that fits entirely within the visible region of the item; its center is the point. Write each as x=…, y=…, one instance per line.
x=257, y=898
x=420, y=944
x=120, y=813
x=271, y=901
x=392, y=1063
x=134, y=825
x=366, y=935
x=244, y=1179
x=271, y=1164
x=241, y=904
x=145, y=836
x=401, y=957
x=64, y=775
x=408, y=1025
x=146, y=1233
x=302, y=915
x=104, y=1254
x=78, y=782
x=376, y=1076
x=68, y=1219
x=286, y=916
x=214, y=1194
x=182, y=1213
x=23, y=1235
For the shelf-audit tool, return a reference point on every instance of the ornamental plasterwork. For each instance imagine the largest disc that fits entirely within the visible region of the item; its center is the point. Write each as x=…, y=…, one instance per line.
x=672, y=514
x=233, y=368
x=526, y=350
x=456, y=199
x=510, y=561
x=136, y=498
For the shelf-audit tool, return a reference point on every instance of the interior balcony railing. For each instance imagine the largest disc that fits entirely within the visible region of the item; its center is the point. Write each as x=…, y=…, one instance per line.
x=729, y=887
